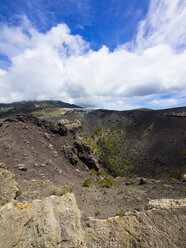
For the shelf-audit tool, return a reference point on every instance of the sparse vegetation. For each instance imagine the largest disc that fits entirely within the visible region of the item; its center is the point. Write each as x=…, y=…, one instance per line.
x=66, y=191
x=119, y=154
x=175, y=176
x=97, y=212
x=102, y=173
x=107, y=182
x=93, y=172
x=40, y=109
x=120, y=213
x=48, y=112
x=10, y=139
x=132, y=191
x=184, y=189
x=86, y=182
x=104, y=192
x=138, y=199
x=54, y=192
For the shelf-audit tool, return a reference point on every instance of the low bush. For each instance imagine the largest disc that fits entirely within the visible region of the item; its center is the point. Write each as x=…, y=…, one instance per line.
x=97, y=212
x=54, y=192
x=107, y=182
x=120, y=213
x=93, y=172
x=66, y=191
x=86, y=182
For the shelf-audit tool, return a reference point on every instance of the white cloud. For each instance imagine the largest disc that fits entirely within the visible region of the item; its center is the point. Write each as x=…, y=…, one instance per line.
x=58, y=65
x=165, y=23
x=165, y=102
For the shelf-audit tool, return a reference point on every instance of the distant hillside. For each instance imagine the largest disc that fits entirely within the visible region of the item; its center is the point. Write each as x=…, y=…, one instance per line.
x=33, y=107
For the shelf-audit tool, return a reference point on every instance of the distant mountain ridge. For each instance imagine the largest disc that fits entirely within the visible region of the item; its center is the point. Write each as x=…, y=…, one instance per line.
x=56, y=103
x=7, y=109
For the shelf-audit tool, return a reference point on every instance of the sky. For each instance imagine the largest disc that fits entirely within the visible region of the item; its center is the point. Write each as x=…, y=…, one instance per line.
x=112, y=54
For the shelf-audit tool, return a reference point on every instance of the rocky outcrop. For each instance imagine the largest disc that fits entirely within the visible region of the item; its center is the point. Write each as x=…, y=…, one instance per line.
x=70, y=154
x=166, y=203
x=56, y=222
x=57, y=128
x=85, y=154
x=9, y=189
x=51, y=223
x=80, y=151
x=153, y=228
x=177, y=114
x=72, y=126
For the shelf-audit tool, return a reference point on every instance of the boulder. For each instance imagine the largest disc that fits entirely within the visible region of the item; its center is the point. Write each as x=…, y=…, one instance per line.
x=50, y=223
x=22, y=167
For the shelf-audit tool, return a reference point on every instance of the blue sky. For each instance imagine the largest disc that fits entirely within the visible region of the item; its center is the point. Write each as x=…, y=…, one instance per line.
x=116, y=54
x=108, y=22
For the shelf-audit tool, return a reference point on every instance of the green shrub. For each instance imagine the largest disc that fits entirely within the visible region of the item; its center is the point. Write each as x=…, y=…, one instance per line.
x=97, y=212
x=120, y=213
x=102, y=173
x=173, y=180
x=54, y=192
x=10, y=139
x=176, y=175
x=66, y=191
x=132, y=192
x=86, y=182
x=93, y=172
x=135, y=176
x=107, y=182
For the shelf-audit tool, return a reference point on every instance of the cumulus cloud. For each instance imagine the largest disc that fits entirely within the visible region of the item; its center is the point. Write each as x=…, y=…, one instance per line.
x=59, y=65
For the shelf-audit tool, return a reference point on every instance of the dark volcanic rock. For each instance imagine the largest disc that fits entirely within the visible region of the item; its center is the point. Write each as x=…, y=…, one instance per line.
x=57, y=128
x=70, y=154
x=85, y=154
